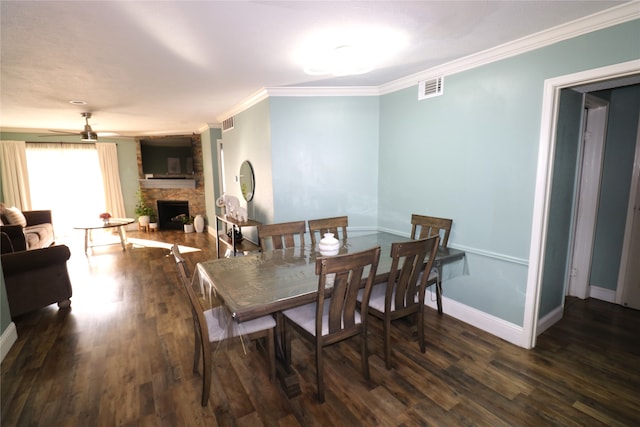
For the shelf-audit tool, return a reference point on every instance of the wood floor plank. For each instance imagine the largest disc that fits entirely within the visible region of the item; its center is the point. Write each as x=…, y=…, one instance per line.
x=123, y=354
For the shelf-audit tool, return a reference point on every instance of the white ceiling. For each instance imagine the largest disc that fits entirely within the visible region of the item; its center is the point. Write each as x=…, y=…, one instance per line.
x=172, y=67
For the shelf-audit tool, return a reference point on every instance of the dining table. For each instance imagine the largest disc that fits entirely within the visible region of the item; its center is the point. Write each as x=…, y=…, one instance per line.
x=268, y=282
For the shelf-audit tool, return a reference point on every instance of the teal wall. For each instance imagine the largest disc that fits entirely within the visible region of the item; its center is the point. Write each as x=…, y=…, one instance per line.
x=250, y=139
x=617, y=169
x=325, y=158
x=478, y=146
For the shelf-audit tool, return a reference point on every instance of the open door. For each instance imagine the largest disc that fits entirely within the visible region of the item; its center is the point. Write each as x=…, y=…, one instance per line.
x=593, y=138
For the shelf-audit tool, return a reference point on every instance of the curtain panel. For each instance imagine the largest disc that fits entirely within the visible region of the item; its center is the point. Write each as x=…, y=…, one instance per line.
x=14, y=174
x=108, y=157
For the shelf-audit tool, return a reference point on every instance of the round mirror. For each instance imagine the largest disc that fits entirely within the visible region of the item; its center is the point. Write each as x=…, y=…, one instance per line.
x=247, y=182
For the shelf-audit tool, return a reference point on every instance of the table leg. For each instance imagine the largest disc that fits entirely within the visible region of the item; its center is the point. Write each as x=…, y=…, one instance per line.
x=122, y=238
x=86, y=240
x=289, y=380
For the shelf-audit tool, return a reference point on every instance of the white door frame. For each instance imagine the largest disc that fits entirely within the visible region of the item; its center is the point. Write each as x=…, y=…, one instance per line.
x=588, y=192
x=544, y=172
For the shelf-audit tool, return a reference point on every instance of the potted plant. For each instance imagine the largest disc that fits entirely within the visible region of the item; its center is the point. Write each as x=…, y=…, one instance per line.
x=187, y=222
x=143, y=211
x=153, y=221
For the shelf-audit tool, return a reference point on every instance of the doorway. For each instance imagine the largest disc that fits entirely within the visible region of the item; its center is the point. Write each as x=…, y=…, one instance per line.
x=611, y=76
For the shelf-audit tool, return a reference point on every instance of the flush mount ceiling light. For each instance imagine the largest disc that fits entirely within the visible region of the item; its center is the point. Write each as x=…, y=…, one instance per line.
x=77, y=102
x=346, y=53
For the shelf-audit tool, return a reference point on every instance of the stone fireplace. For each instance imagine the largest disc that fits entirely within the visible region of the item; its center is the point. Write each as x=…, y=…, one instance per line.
x=190, y=197
x=170, y=214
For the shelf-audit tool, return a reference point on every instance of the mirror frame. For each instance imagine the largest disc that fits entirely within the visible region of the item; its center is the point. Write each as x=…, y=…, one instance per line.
x=247, y=178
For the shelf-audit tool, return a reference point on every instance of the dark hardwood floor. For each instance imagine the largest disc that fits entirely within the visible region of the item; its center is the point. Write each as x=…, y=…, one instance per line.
x=122, y=355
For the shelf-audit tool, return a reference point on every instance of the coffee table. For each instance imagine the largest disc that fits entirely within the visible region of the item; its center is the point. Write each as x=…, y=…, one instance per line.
x=119, y=223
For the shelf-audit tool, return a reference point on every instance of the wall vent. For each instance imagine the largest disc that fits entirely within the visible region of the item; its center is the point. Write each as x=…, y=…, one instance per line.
x=227, y=124
x=430, y=88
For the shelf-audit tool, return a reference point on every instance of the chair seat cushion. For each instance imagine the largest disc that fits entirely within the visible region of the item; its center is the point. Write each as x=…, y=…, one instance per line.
x=305, y=317
x=219, y=329
x=376, y=300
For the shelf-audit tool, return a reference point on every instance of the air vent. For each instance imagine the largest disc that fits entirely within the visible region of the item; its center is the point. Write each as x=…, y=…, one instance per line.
x=430, y=88
x=227, y=124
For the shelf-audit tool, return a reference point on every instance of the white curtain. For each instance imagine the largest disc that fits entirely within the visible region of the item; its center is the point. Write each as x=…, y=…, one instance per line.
x=14, y=174
x=108, y=158
x=66, y=179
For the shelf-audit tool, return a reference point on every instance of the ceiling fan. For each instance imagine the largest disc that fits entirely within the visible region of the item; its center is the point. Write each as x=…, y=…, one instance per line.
x=87, y=135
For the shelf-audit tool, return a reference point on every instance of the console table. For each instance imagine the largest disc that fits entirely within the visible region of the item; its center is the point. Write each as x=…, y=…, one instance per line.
x=245, y=245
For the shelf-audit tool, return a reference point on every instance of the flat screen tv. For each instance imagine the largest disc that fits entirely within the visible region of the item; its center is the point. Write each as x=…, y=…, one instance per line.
x=167, y=157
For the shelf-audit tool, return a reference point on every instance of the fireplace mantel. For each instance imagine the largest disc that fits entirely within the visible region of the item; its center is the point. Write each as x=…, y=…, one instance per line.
x=167, y=183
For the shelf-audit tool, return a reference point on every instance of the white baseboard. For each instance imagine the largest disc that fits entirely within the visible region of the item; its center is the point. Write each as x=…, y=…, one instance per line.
x=494, y=325
x=549, y=320
x=8, y=338
x=602, y=294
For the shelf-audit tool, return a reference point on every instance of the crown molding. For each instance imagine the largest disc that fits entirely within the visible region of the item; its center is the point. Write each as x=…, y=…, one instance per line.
x=205, y=127
x=324, y=91
x=607, y=18
x=252, y=100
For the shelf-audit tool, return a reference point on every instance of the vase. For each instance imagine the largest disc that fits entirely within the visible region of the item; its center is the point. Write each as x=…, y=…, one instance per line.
x=144, y=220
x=198, y=223
x=329, y=245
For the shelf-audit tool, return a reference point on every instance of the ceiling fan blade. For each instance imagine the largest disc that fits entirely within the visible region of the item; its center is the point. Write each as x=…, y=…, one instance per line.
x=60, y=133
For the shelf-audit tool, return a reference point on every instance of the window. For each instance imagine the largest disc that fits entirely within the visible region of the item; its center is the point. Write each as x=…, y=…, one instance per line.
x=66, y=179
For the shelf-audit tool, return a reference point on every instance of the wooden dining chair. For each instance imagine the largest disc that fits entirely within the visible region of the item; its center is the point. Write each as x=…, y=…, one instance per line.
x=214, y=325
x=403, y=294
x=317, y=228
x=426, y=226
x=282, y=235
x=335, y=318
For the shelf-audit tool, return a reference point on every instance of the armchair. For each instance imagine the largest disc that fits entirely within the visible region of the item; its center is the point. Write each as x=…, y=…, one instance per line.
x=36, y=278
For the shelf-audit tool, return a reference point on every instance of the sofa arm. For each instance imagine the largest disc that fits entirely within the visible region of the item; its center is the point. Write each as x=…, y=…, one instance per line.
x=37, y=217
x=36, y=278
x=15, y=233
x=36, y=258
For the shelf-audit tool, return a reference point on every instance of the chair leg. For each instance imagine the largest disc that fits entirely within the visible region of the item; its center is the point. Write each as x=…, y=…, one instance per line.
x=206, y=377
x=271, y=349
x=197, y=349
x=319, y=372
x=423, y=348
x=439, y=295
x=364, y=354
x=387, y=341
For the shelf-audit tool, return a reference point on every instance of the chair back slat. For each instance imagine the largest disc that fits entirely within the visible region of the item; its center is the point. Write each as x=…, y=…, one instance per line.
x=346, y=272
x=282, y=235
x=426, y=226
x=409, y=260
x=335, y=225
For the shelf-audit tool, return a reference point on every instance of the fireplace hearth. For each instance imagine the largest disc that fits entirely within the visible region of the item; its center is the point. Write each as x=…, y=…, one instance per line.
x=171, y=212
